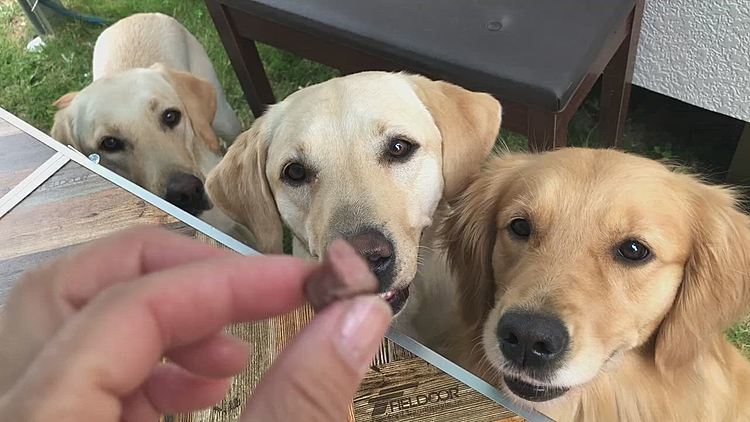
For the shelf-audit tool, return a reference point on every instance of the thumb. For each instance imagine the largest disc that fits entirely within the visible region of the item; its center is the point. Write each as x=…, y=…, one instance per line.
x=317, y=375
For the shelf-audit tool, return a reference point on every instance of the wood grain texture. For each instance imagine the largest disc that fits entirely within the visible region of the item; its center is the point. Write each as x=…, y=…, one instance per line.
x=72, y=207
x=413, y=390
x=266, y=340
x=20, y=154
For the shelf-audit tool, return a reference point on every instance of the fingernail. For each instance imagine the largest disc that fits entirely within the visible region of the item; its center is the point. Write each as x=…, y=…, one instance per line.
x=362, y=329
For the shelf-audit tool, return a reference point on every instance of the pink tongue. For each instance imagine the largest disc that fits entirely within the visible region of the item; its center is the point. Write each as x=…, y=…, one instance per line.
x=387, y=295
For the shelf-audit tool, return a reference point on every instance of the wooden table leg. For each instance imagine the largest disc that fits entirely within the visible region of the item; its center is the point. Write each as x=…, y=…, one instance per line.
x=739, y=170
x=546, y=130
x=245, y=59
x=616, y=84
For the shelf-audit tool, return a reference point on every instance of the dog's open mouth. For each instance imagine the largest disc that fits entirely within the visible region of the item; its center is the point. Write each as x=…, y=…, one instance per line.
x=531, y=392
x=396, y=298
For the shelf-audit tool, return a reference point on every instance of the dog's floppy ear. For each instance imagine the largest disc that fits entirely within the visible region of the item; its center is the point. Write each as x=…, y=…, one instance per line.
x=65, y=100
x=199, y=98
x=62, y=128
x=238, y=185
x=468, y=234
x=468, y=122
x=715, y=290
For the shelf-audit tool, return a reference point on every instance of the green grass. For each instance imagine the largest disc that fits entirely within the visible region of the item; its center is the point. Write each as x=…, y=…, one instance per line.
x=740, y=335
x=32, y=81
x=29, y=82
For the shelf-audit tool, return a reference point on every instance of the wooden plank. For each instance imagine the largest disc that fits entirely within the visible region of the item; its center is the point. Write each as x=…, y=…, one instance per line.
x=12, y=269
x=76, y=206
x=73, y=182
x=413, y=390
x=20, y=154
x=266, y=339
x=72, y=207
x=32, y=182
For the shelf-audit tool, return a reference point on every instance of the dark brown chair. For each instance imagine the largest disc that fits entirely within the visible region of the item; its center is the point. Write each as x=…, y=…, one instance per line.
x=540, y=58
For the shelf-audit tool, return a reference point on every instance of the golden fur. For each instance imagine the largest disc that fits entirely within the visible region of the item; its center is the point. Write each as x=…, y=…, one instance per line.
x=647, y=340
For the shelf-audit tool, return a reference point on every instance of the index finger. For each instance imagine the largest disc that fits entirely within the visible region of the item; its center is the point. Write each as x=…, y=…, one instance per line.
x=46, y=297
x=94, y=266
x=126, y=256
x=112, y=344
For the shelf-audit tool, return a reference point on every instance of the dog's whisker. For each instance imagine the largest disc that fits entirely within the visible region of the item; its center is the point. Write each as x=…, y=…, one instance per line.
x=426, y=248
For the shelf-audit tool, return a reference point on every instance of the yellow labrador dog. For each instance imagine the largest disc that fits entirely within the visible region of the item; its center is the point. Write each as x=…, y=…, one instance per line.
x=153, y=111
x=369, y=157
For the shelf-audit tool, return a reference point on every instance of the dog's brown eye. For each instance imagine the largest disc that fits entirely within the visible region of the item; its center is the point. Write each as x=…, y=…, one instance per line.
x=633, y=250
x=294, y=173
x=400, y=149
x=520, y=227
x=171, y=117
x=111, y=144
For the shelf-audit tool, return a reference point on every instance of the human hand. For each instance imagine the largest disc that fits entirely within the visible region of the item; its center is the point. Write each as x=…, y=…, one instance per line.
x=83, y=336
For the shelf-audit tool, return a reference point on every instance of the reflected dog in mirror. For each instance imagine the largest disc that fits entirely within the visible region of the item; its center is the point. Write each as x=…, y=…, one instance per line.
x=597, y=285
x=368, y=157
x=152, y=112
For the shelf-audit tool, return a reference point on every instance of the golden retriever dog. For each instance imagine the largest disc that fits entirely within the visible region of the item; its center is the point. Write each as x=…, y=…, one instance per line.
x=596, y=286
x=153, y=110
x=369, y=157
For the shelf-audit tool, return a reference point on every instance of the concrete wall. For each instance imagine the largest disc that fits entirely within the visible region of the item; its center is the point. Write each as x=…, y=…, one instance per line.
x=697, y=51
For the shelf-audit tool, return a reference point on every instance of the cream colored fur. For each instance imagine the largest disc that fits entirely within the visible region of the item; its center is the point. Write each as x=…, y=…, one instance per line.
x=143, y=65
x=340, y=130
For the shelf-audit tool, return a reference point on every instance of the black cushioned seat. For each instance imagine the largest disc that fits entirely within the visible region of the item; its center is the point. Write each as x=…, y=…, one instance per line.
x=538, y=57
x=532, y=51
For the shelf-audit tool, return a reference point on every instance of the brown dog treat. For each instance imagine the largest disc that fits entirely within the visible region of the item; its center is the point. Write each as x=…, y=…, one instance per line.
x=343, y=274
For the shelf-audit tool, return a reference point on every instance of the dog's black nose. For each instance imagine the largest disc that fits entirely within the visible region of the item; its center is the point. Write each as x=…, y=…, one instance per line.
x=186, y=191
x=378, y=251
x=532, y=340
